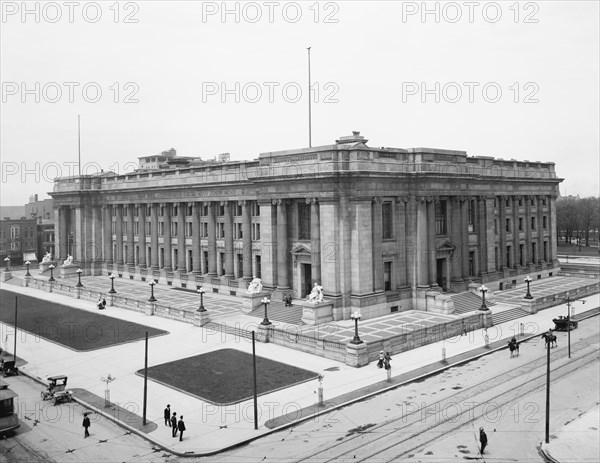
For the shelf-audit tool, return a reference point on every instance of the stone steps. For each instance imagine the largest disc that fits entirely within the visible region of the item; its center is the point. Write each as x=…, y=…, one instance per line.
x=468, y=302
x=277, y=311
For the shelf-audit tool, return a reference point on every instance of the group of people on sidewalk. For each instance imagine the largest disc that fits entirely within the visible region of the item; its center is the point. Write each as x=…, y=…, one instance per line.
x=171, y=420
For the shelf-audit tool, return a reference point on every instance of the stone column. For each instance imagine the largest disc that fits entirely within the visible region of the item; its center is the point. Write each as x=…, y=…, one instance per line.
x=361, y=247
x=282, y=246
x=154, y=237
x=246, y=240
x=431, y=250
x=228, y=239
x=402, y=261
x=333, y=248
x=268, y=243
x=527, y=225
x=377, y=238
x=502, y=264
x=119, y=233
x=516, y=232
x=315, y=236
x=72, y=228
x=181, y=237
x=196, y=248
x=482, y=238
x=107, y=241
x=552, y=245
x=142, y=235
x=540, y=228
x=410, y=221
x=464, y=228
x=456, y=239
x=167, y=264
x=212, y=240
x=130, y=257
x=421, y=242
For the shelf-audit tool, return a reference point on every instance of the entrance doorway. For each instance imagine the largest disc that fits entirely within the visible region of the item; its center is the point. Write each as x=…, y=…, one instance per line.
x=441, y=277
x=306, y=280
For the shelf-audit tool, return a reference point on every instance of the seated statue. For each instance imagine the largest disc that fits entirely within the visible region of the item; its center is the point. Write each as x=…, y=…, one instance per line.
x=47, y=258
x=255, y=286
x=68, y=262
x=316, y=295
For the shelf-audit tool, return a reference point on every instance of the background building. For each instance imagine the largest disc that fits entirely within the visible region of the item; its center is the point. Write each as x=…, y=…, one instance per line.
x=378, y=228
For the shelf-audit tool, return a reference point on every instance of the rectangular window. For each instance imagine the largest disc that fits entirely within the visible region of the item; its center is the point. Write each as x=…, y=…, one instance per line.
x=221, y=210
x=205, y=210
x=237, y=211
x=520, y=202
x=546, y=251
x=162, y=211
x=188, y=229
x=533, y=223
x=205, y=262
x=256, y=231
x=240, y=266
x=125, y=227
x=521, y=255
x=175, y=210
x=136, y=228
x=136, y=211
x=507, y=202
x=222, y=260
x=387, y=276
x=220, y=230
x=471, y=263
x=533, y=201
x=189, y=210
x=161, y=228
x=440, y=217
x=544, y=201
x=113, y=227
x=534, y=252
x=255, y=209
x=238, y=231
x=508, y=256
x=257, y=269
x=148, y=228
x=303, y=221
x=496, y=258
x=471, y=216
x=545, y=222
x=387, y=221
x=496, y=226
x=174, y=228
x=508, y=225
x=520, y=223
x=14, y=233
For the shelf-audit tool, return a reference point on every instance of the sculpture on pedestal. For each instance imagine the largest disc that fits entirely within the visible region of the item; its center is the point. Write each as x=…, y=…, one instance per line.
x=255, y=286
x=68, y=262
x=316, y=295
x=47, y=258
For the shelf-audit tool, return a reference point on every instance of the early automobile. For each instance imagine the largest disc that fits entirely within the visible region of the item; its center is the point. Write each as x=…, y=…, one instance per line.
x=9, y=368
x=562, y=323
x=56, y=390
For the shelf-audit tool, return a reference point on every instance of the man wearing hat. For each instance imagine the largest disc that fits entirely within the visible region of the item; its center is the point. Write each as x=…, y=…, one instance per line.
x=482, y=439
x=380, y=362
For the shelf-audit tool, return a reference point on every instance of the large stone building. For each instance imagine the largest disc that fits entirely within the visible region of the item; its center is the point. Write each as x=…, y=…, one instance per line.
x=378, y=228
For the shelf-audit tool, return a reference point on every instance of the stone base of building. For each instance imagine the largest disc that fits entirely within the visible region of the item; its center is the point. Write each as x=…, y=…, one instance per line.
x=357, y=355
x=5, y=275
x=68, y=271
x=439, y=303
x=317, y=313
x=251, y=302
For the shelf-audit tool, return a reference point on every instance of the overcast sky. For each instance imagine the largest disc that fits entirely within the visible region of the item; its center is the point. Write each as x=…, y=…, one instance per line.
x=510, y=80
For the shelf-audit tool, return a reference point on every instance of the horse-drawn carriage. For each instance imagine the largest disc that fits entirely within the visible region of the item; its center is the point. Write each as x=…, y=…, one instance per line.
x=9, y=368
x=56, y=390
x=562, y=323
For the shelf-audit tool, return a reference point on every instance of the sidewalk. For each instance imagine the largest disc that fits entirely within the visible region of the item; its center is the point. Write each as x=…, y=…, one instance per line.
x=210, y=428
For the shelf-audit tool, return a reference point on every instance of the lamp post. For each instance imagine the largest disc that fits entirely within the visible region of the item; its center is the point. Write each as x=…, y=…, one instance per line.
x=107, y=380
x=79, y=272
x=266, y=301
x=201, y=292
x=51, y=267
x=483, y=289
x=28, y=264
x=7, y=260
x=112, y=284
x=356, y=317
x=528, y=281
x=152, y=298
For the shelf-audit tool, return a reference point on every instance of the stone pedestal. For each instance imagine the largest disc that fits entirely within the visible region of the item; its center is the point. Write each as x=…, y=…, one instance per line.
x=264, y=333
x=357, y=355
x=150, y=307
x=5, y=275
x=77, y=292
x=528, y=305
x=439, y=303
x=317, y=313
x=201, y=318
x=251, y=301
x=44, y=266
x=26, y=281
x=68, y=271
x=487, y=319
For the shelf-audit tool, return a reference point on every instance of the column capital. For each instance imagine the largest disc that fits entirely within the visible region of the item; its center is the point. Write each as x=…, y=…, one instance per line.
x=242, y=202
x=280, y=202
x=310, y=200
x=403, y=199
x=206, y=203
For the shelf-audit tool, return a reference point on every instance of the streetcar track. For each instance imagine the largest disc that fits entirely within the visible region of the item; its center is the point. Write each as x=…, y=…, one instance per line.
x=463, y=395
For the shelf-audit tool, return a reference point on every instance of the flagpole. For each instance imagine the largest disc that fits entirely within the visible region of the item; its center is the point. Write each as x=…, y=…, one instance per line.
x=79, y=143
x=309, y=103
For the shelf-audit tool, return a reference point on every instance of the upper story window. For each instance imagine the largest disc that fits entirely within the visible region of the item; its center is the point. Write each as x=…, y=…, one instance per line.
x=387, y=227
x=471, y=216
x=440, y=217
x=303, y=221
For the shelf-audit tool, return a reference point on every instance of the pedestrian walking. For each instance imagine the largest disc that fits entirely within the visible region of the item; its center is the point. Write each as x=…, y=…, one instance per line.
x=386, y=361
x=482, y=439
x=167, y=415
x=181, y=427
x=104, y=303
x=86, y=424
x=380, y=362
x=174, y=424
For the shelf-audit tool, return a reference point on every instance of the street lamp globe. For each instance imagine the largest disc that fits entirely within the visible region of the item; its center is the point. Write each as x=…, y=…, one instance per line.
x=201, y=292
x=528, y=280
x=483, y=289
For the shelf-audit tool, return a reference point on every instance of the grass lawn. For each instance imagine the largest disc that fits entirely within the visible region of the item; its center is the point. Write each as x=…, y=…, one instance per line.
x=225, y=377
x=572, y=249
x=74, y=328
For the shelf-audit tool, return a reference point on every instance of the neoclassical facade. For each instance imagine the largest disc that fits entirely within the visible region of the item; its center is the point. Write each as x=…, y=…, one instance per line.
x=378, y=228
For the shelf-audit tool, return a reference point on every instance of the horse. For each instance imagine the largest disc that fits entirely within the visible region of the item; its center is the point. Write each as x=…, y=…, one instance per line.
x=513, y=345
x=550, y=338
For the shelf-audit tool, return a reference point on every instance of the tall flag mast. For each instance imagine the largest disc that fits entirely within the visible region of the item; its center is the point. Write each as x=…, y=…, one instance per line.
x=309, y=98
x=79, y=143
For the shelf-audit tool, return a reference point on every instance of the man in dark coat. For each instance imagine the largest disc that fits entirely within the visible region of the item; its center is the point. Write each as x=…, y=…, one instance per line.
x=181, y=427
x=168, y=415
x=174, y=424
x=86, y=424
x=482, y=439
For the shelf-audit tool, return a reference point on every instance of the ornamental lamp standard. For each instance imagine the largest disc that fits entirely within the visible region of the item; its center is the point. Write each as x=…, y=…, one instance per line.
x=201, y=292
x=152, y=298
x=51, y=267
x=266, y=301
x=79, y=272
x=112, y=284
x=356, y=317
x=528, y=280
x=483, y=289
x=7, y=260
x=28, y=264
